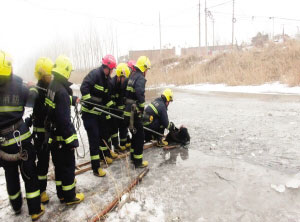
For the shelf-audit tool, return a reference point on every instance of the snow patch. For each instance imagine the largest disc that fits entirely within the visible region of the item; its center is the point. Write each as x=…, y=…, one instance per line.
x=293, y=183
x=279, y=188
x=268, y=88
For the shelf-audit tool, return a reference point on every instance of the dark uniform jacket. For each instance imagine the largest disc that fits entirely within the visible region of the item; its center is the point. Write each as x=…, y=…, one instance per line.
x=12, y=102
x=118, y=92
x=135, y=92
x=156, y=115
x=96, y=88
x=58, y=104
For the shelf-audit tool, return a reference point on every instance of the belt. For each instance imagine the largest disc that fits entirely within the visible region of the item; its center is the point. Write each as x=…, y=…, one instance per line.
x=11, y=128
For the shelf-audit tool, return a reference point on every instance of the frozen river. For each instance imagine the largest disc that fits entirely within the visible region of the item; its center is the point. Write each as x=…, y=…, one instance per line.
x=243, y=160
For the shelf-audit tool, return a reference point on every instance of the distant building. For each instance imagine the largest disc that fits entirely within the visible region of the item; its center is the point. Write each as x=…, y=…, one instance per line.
x=154, y=55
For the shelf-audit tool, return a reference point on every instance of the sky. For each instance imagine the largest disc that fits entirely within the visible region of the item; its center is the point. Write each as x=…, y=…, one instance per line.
x=28, y=26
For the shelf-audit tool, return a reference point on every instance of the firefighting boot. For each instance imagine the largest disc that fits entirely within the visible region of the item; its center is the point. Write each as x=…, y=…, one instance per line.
x=142, y=165
x=99, y=173
x=77, y=199
x=120, y=149
x=44, y=198
x=35, y=217
x=128, y=145
x=113, y=154
x=162, y=143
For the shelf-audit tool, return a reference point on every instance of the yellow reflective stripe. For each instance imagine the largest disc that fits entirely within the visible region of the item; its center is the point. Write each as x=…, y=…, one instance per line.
x=129, y=88
x=123, y=140
x=90, y=111
x=169, y=125
x=138, y=156
x=153, y=108
x=114, y=135
x=108, y=117
x=106, y=90
x=33, y=194
x=110, y=103
x=50, y=140
x=11, y=109
x=87, y=96
x=71, y=99
x=103, y=148
x=117, y=95
x=69, y=187
x=71, y=139
x=95, y=157
x=131, y=150
x=127, y=113
x=39, y=130
x=121, y=107
x=101, y=88
x=34, y=89
x=109, y=139
x=142, y=105
x=13, y=197
x=13, y=140
x=42, y=177
x=58, y=183
x=50, y=103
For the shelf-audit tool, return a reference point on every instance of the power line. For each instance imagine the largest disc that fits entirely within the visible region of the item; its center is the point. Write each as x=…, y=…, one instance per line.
x=219, y=4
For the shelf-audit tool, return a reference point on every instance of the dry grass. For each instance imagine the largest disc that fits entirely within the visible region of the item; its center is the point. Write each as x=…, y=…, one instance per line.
x=275, y=62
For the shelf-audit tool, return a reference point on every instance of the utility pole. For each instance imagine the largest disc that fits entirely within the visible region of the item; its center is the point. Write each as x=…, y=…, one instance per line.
x=199, y=29
x=159, y=33
x=205, y=26
x=213, y=23
x=273, y=28
x=233, y=21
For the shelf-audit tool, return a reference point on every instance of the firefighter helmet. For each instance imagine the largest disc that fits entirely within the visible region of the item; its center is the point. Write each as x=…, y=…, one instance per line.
x=5, y=64
x=109, y=61
x=143, y=63
x=122, y=70
x=63, y=66
x=168, y=94
x=43, y=67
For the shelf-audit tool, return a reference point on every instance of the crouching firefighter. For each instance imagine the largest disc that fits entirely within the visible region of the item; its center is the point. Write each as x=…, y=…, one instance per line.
x=95, y=91
x=134, y=108
x=119, y=128
x=61, y=131
x=156, y=117
x=16, y=150
x=37, y=96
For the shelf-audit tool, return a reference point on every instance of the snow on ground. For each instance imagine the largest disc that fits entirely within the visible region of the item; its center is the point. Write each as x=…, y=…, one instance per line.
x=268, y=88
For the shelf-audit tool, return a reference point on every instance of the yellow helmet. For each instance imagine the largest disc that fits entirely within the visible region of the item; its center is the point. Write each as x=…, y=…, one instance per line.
x=143, y=63
x=168, y=93
x=43, y=67
x=63, y=66
x=5, y=64
x=123, y=70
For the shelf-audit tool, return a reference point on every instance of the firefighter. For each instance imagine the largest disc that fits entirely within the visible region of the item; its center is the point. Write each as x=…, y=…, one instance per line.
x=134, y=108
x=119, y=83
x=42, y=73
x=15, y=138
x=61, y=132
x=156, y=117
x=95, y=90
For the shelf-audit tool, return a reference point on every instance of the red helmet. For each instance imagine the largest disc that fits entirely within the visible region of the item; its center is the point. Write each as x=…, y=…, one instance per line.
x=131, y=64
x=109, y=61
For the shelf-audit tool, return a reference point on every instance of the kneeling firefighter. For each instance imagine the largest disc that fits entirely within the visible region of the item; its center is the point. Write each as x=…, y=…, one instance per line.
x=16, y=150
x=61, y=131
x=156, y=117
x=135, y=103
x=95, y=90
x=37, y=94
x=119, y=83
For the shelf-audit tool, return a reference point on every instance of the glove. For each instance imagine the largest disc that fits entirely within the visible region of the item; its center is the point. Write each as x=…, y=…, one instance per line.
x=172, y=126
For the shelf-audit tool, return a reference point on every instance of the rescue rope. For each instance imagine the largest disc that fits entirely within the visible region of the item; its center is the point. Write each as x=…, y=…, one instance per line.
x=77, y=123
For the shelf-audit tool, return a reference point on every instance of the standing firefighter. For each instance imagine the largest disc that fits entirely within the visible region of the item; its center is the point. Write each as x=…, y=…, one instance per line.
x=156, y=117
x=135, y=103
x=119, y=83
x=16, y=139
x=95, y=90
x=61, y=132
x=42, y=72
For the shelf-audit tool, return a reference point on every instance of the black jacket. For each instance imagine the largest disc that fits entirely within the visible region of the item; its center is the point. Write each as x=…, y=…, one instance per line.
x=118, y=92
x=96, y=88
x=159, y=111
x=135, y=91
x=58, y=105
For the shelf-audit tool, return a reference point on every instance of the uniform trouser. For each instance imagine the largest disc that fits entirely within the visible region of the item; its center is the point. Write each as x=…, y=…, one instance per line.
x=123, y=131
x=137, y=143
x=43, y=154
x=114, y=131
x=104, y=136
x=29, y=175
x=64, y=163
x=92, y=126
